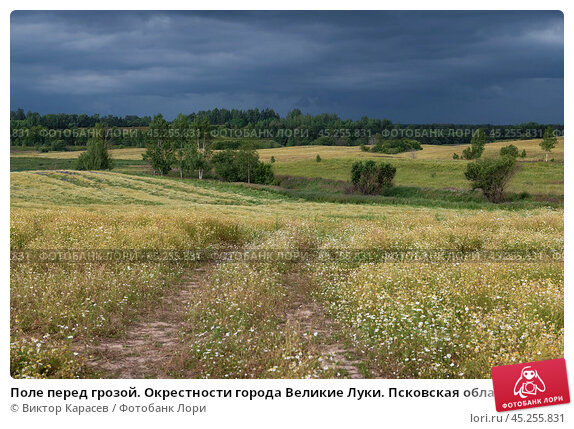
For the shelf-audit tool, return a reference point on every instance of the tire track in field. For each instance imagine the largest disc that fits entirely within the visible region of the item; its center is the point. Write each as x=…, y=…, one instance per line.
x=308, y=318
x=153, y=346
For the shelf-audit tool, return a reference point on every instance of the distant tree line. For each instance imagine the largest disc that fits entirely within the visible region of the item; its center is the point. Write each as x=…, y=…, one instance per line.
x=62, y=121
x=57, y=131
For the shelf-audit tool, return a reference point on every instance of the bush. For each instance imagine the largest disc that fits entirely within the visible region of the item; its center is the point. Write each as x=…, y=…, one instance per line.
x=491, y=176
x=509, y=150
x=263, y=174
x=58, y=145
x=455, y=156
x=369, y=178
x=318, y=158
x=395, y=146
x=523, y=154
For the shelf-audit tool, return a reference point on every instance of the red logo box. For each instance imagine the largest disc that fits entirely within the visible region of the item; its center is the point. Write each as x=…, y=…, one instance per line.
x=529, y=385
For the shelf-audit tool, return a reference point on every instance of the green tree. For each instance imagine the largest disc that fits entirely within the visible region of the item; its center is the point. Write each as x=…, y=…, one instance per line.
x=160, y=148
x=242, y=166
x=96, y=156
x=476, y=145
x=19, y=115
x=491, y=176
x=247, y=160
x=225, y=165
x=201, y=129
x=318, y=158
x=369, y=178
x=548, y=142
x=181, y=136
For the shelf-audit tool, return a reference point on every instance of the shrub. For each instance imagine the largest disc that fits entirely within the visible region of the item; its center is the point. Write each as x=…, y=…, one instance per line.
x=491, y=176
x=318, y=158
x=369, y=178
x=509, y=150
x=455, y=156
x=523, y=154
x=395, y=145
x=467, y=153
x=58, y=145
x=263, y=174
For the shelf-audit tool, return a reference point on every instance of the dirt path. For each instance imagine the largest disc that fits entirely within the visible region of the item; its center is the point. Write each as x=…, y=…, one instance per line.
x=309, y=319
x=152, y=347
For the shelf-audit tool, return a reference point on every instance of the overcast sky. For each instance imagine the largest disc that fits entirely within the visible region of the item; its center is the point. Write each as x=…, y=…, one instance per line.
x=410, y=67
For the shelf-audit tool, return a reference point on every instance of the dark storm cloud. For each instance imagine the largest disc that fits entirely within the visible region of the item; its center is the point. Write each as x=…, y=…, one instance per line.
x=496, y=67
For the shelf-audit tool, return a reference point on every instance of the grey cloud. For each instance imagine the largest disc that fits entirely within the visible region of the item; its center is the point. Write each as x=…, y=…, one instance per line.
x=407, y=66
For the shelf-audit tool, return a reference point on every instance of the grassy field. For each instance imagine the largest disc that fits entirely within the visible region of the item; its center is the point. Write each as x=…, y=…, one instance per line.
x=532, y=177
x=433, y=167
x=246, y=319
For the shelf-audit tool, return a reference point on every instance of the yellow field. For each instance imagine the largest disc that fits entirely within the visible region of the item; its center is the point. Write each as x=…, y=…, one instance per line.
x=429, y=152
